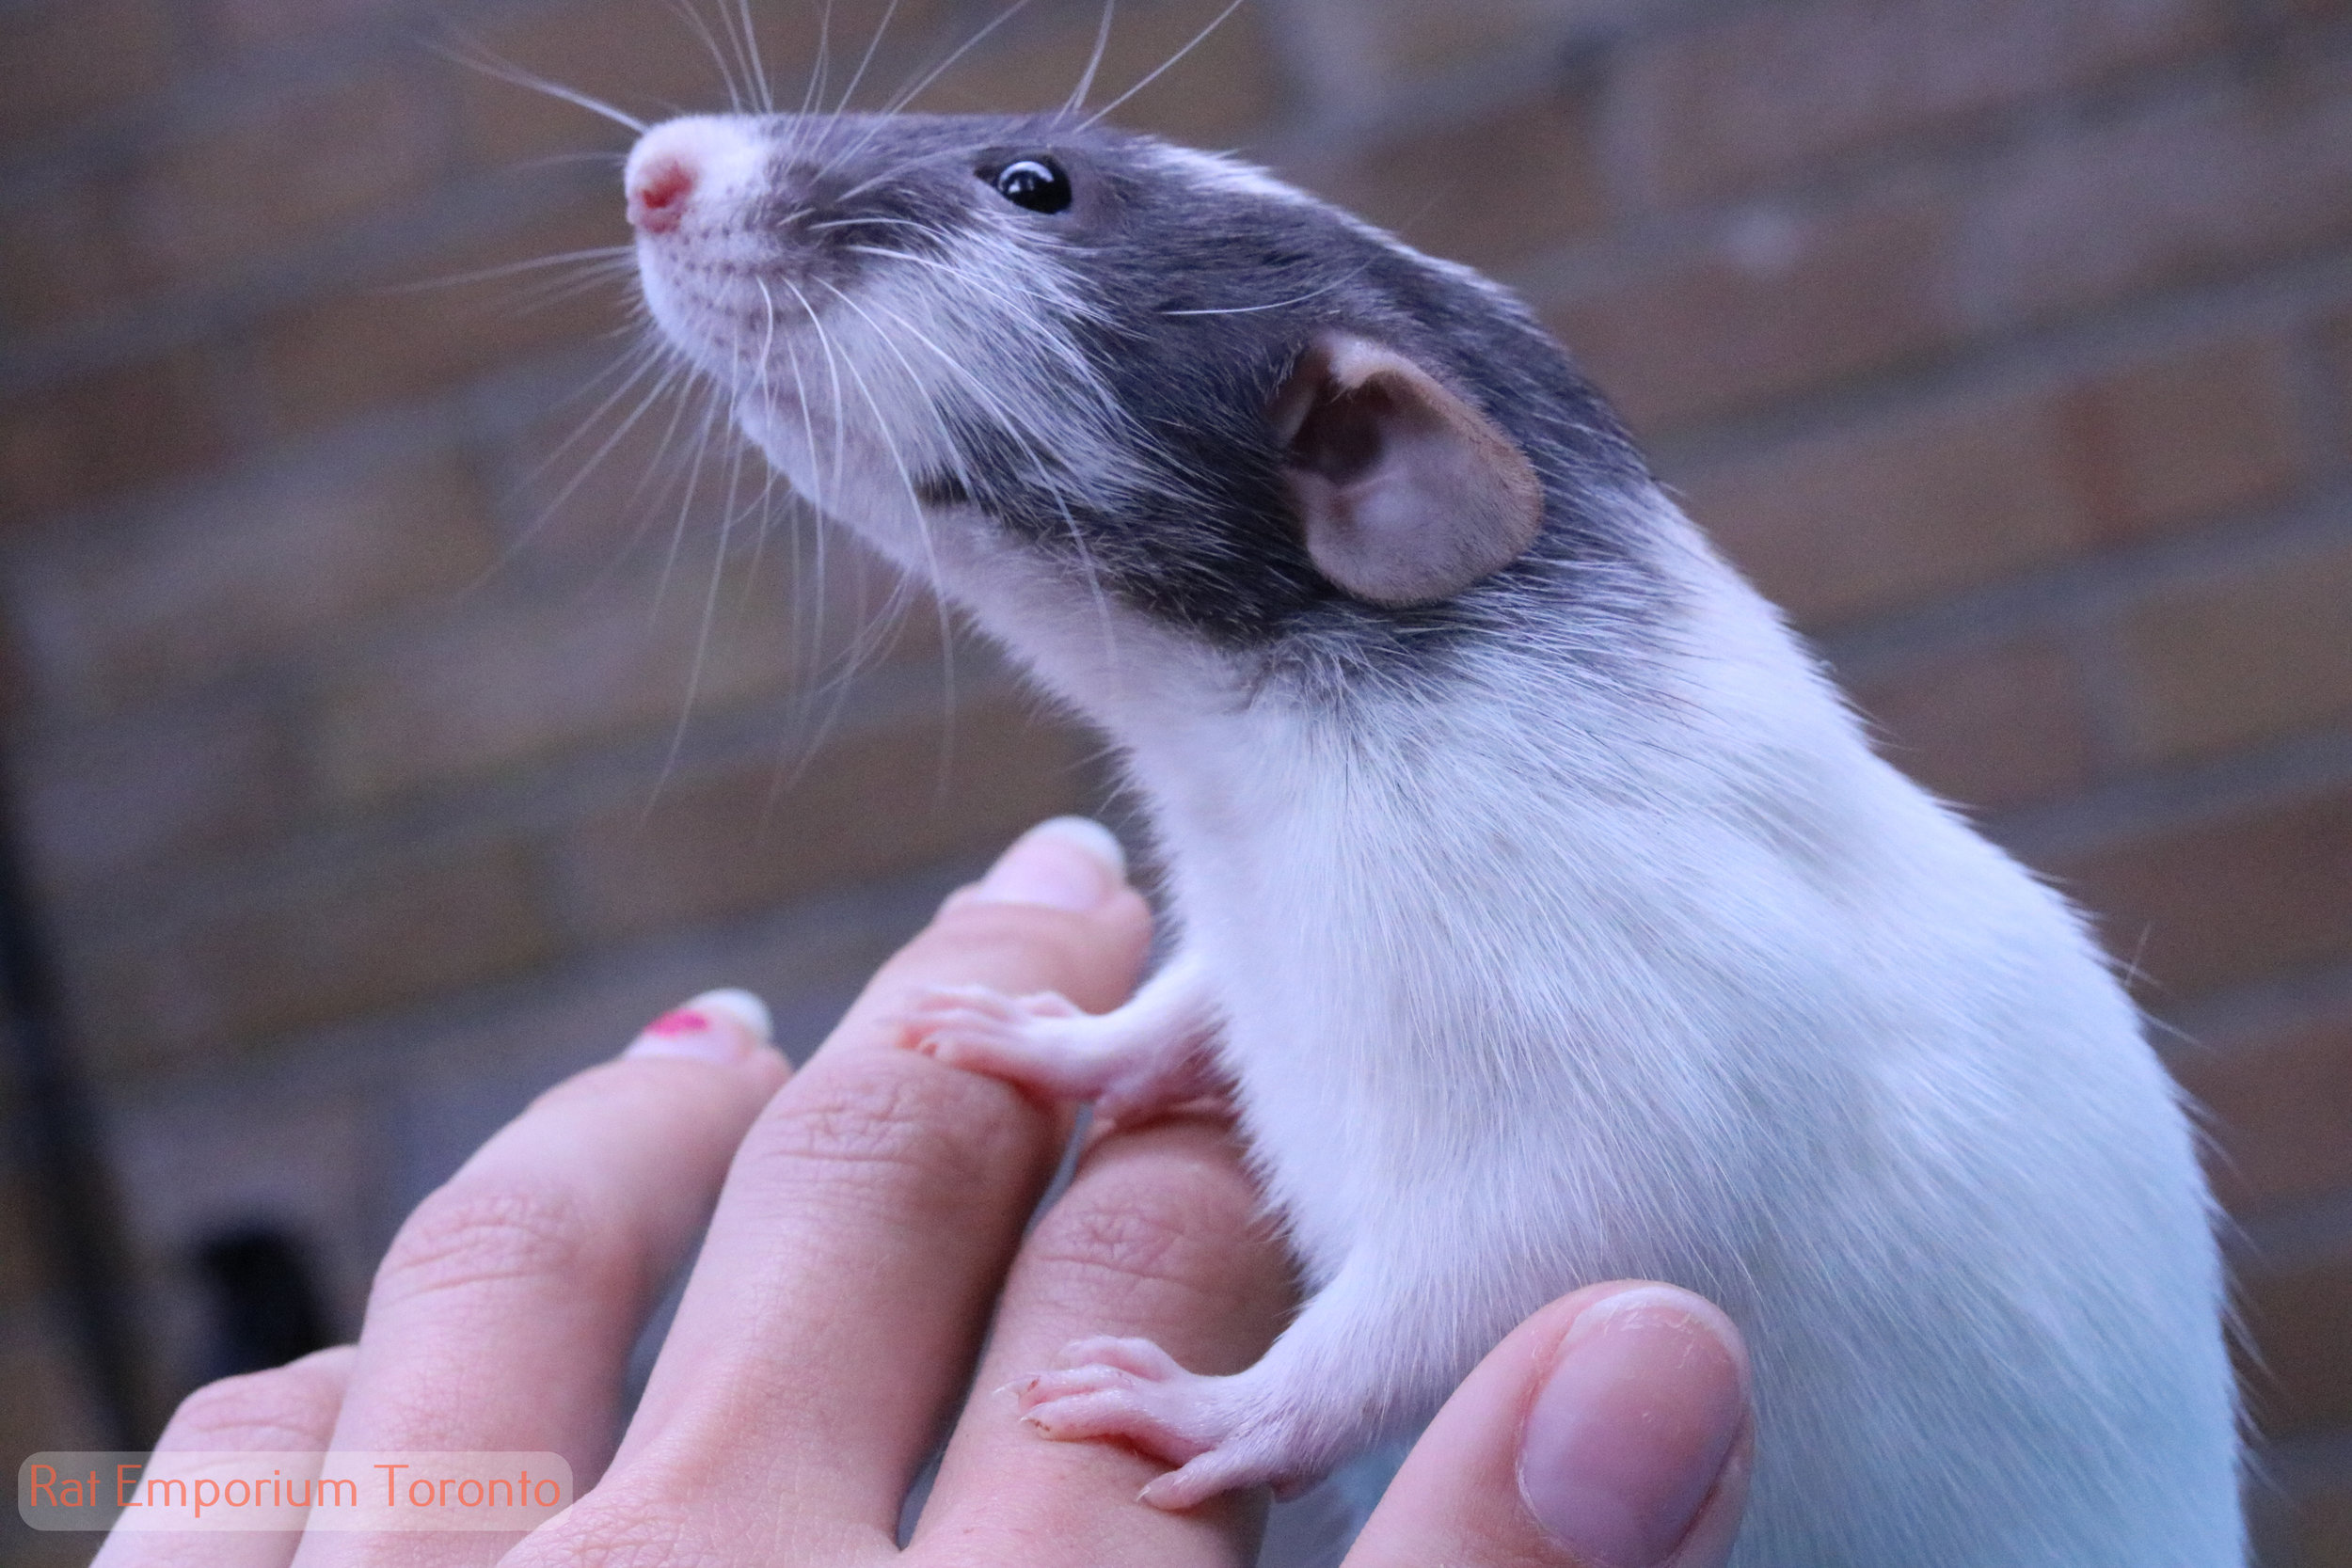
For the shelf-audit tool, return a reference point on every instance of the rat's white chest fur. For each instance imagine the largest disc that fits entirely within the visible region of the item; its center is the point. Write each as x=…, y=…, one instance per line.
x=1562, y=980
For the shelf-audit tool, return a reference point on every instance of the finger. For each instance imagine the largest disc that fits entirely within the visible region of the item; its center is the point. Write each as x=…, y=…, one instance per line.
x=1158, y=1238
x=1611, y=1430
x=503, y=1312
x=1058, y=902
x=868, y=1222
x=286, y=1409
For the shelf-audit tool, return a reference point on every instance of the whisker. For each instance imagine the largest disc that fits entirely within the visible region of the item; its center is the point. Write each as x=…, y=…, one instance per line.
x=1077, y=101
x=766, y=98
x=890, y=344
x=648, y=360
x=505, y=71
x=609, y=257
x=931, y=261
x=1012, y=426
x=965, y=48
x=662, y=385
x=609, y=158
x=549, y=292
x=686, y=11
x=1198, y=39
x=922, y=529
x=814, y=93
x=728, y=513
x=895, y=223
x=1103, y=620
x=648, y=357
x=872, y=44
x=981, y=389
x=686, y=501
x=851, y=151
x=833, y=373
x=1277, y=305
x=762, y=512
x=695, y=388
x=861, y=644
x=808, y=420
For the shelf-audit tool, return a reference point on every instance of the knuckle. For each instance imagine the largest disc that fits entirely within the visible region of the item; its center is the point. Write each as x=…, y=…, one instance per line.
x=596, y=1534
x=464, y=1237
x=895, y=1125
x=1119, y=1237
x=250, y=1411
x=648, y=1516
x=981, y=929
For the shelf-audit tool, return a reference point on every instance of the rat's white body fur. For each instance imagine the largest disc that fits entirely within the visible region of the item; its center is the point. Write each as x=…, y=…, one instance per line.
x=1577, y=969
x=1577, y=982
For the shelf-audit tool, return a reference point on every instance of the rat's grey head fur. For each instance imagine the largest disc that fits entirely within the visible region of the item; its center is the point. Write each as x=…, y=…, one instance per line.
x=1147, y=369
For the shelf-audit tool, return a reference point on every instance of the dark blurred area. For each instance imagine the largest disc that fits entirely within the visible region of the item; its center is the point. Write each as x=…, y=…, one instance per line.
x=392, y=726
x=265, y=1299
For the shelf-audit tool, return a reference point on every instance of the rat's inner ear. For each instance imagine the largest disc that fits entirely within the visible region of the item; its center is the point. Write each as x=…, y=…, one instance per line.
x=1406, y=493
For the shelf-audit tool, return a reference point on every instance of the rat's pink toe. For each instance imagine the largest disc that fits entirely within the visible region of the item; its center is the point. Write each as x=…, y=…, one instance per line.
x=1140, y=1357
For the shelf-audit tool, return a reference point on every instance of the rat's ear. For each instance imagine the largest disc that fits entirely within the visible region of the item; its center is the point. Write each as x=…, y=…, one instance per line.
x=1407, y=494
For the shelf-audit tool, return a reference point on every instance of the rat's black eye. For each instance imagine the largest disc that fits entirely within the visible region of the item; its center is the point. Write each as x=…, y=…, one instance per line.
x=1036, y=183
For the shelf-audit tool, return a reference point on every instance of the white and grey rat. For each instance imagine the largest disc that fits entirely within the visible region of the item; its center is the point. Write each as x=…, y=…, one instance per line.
x=1547, y=912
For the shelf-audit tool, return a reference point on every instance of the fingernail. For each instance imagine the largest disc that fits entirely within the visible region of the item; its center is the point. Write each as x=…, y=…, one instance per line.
x=1631, y=1431
x=717, y=1026
x=1069, y=862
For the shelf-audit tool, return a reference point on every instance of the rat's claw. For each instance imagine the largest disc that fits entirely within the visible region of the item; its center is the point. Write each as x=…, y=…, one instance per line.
x=1133, y=1391
x=1167, y=1412
x=1219, y=1470
x=1071, y=1383
x=1140, y=1357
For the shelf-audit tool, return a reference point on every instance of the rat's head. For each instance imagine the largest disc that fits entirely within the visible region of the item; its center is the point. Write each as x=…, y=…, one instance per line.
x=1035, y=356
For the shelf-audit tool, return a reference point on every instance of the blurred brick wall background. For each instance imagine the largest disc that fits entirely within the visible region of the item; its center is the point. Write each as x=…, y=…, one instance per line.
x=372, y=780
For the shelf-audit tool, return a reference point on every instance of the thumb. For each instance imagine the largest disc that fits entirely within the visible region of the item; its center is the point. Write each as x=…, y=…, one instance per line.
x=1611, y=1430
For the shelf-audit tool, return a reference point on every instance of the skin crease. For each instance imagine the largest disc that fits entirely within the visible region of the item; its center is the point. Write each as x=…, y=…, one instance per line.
x=866, y=1218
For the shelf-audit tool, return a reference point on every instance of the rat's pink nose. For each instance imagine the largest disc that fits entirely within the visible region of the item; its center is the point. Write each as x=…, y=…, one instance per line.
x=657, y=192
x=700, y=161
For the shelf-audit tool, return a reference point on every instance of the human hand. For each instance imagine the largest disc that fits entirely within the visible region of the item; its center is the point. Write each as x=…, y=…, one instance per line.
x=1611, y=1430
x=868, y=1212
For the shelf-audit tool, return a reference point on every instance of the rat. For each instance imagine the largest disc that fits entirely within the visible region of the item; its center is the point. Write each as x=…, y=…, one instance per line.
x=1545, y=913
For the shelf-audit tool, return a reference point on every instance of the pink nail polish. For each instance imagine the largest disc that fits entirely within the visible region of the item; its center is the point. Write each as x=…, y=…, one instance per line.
x=723, y=1027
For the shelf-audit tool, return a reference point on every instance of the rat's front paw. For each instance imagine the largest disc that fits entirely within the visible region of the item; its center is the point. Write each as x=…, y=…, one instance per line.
x=1133, y=1391
x=1025, y=1040
x=1134, y=1062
